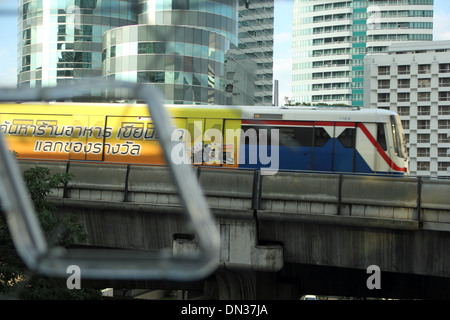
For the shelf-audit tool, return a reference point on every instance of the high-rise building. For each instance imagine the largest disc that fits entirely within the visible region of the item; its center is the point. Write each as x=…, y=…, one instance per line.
x=195, y=51
x=61, y=40
x=332, y=37
x=179, y=45
x=255, y=49
x=414, y=81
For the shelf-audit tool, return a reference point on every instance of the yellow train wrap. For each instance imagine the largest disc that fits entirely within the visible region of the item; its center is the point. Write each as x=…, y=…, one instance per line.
x=113, y=133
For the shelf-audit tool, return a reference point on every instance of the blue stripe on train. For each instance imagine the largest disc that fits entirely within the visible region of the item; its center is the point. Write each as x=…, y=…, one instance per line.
x=302, y=158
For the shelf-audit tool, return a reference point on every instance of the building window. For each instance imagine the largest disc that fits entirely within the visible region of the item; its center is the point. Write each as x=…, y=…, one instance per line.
x=423, y=166
x=444, y=68
x=403, y=83
x=444, y=96
x=423, y=152
x=443, y=166
x=423, y=111
x=180, y=4
x=405, y=124
x=403, y=69
x=442, y=152
x=444, y=110
x=444, y=82
x=423, y=138
x=444, y=124
x=423, y=83
x=442, y=138
x=384, y=70
x=384, y=84
x=424, y=68
x=423, y=96
x=423, y=124
x=384, y=97
x=403, y=97
x=403, y=111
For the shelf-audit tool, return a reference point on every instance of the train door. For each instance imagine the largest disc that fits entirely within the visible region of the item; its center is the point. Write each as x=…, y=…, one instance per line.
x=322, y=156
x=135, y=140
x=207, y=141
x=195, y=145
x=232, y=137
x=366, y=147
x=296, y=146
x=213, y=142
x=344, y=148
x=132, y=140
x=87, y=138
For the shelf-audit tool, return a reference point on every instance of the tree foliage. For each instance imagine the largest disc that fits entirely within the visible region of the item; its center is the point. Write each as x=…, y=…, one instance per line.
x=15, y=279
x=290, y=103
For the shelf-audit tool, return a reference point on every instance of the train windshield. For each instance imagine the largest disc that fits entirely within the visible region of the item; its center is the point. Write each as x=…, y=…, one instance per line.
x=399, y=137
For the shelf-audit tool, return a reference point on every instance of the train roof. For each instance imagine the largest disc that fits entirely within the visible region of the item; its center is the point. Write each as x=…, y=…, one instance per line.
x=317, y=114
x=325, y=113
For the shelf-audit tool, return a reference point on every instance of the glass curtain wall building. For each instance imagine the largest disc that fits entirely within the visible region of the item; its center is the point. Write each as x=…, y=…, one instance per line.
x=195, y=51
x=252, y=59
x=179, y=45
x=332, y=37
x=61, y=40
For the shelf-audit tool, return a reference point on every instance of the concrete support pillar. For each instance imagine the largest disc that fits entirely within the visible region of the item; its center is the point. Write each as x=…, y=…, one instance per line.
x=248, y=285
x=230, y=285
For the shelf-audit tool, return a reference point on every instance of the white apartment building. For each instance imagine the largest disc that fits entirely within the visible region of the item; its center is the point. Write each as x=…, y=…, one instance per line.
x=332, y=37
x=413, y=79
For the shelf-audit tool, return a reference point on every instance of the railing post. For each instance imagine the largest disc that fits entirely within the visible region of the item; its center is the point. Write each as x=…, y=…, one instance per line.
x=127, y=176
x=339, y=195
x=419, y=202
x=66, y=191
x=197, y=171
x=257, y=190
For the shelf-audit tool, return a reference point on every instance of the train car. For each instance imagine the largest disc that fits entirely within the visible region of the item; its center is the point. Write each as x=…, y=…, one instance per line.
x=333, y=139
x=267, y=138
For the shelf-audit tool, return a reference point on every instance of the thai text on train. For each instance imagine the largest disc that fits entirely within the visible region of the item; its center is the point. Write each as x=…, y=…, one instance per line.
x=213, y=153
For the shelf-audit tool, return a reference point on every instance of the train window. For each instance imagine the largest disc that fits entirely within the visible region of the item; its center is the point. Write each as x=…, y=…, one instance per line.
x=304, y=136
x=259, y=135
x=347, y=138
x=398, y=137
x=250, y=135
x=288, y=136
x=381, y=136
x=320, y=137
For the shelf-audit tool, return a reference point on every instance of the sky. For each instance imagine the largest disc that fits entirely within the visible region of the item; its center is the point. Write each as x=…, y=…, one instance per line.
x=282, y=43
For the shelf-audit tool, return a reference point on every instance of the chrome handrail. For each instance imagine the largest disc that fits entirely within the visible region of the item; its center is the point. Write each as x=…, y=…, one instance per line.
x=28, y=236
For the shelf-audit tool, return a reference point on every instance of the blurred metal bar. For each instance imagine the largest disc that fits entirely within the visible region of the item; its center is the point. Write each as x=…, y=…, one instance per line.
x=108, y=264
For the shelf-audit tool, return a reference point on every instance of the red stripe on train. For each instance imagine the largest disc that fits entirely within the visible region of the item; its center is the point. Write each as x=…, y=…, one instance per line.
x=380, y=150
x=363, y=128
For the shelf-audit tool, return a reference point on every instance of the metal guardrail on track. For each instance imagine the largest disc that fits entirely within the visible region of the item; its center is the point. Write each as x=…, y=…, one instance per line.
x=366, y=200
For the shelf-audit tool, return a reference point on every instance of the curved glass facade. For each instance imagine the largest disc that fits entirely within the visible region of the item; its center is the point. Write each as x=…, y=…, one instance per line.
x=186, y=63
x=62, y=39
x=216, y=15
x=195, y=51
x=179, y=45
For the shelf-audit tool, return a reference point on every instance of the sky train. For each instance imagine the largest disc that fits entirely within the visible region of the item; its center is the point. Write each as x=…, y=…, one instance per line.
x=325, y=139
